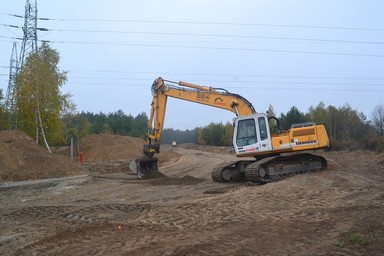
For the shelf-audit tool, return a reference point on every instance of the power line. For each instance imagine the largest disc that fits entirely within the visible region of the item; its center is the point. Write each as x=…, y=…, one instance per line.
x=14, y=15
x=10, y=31
x=15, y=26
x=14, y=38
x=210, y=82
x=249, y=87
x=237, y=82
x=246, y=82
x=205, y=35
x=202, y=74
x=222, y=75
x=217, y=48
x=226, y=36
x=5, y=41
x=209, y=48
x=204, y=23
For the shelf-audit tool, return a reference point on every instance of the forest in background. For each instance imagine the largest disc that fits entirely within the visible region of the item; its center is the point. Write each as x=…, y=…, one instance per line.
x=44, y=113
x=347, y=128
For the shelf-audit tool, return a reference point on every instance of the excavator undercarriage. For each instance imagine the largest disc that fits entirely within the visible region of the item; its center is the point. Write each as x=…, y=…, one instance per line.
x=265, y=170
x=269, y=169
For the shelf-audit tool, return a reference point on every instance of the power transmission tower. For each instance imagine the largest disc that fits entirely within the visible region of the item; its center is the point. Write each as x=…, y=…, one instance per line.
x=11, y=97
x=29, y=30
x=29, y=45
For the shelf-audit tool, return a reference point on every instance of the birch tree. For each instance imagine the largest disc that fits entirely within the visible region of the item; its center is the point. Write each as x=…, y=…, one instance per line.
x=40, y=101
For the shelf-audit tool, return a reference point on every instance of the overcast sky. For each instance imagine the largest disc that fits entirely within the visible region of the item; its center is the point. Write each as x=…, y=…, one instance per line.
x=284, y=53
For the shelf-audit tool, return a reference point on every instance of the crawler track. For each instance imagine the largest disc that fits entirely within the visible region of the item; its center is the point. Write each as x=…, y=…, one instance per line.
x=269, y=169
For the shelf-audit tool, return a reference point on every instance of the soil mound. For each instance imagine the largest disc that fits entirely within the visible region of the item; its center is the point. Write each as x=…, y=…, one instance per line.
x=22, y=159
x=107, y=153
x=107, y=147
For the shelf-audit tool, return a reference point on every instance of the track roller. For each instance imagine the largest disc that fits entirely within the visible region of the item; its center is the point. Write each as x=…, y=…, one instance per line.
x=276, y=168
x=230, y=172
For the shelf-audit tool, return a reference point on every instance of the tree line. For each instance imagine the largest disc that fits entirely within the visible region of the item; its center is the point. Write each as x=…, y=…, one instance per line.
x=45, y=113
x=347, y=128
x=215, y=134
x=81, y=124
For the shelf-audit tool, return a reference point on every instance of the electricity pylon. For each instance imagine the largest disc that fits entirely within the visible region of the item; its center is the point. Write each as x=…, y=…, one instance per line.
x=28, y=45
x=11, y=97
x=29, y=30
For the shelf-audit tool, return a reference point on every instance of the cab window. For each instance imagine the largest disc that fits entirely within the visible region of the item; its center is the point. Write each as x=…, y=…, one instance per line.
x=263, y=128
x=246, y=132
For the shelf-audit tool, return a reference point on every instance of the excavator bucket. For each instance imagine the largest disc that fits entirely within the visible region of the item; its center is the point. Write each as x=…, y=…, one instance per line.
x=145, y=167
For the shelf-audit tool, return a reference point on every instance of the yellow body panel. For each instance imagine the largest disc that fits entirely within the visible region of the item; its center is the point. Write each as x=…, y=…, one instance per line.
x=296, y=139
x=303, y=138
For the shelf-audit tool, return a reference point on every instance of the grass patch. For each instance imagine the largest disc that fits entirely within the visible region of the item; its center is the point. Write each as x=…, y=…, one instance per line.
x=339, y=244
x=311, y=242
x=357, y=239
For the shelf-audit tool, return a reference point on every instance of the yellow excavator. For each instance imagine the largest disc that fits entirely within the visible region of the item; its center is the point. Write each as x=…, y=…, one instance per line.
x=276, y=156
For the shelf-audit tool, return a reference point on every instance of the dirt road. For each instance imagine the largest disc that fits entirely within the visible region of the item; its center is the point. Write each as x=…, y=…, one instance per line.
x=335, y=212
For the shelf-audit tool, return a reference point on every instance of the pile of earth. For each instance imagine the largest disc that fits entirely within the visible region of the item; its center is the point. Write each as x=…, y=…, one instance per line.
x=108, y=147
x=108, y=153
x=22, y=159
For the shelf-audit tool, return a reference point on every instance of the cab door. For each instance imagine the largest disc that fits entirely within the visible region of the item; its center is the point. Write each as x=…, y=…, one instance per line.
x=264, y=133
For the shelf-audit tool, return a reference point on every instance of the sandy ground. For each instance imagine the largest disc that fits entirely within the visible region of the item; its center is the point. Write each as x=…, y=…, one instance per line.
x=335, y=212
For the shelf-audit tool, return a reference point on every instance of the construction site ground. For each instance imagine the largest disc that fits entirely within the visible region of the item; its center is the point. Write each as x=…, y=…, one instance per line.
x=99, y=208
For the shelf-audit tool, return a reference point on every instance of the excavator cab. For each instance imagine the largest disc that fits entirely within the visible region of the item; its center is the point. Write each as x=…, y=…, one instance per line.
x=251, y=134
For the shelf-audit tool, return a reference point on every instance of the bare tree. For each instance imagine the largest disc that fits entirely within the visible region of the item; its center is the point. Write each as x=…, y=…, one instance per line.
x=378, y=119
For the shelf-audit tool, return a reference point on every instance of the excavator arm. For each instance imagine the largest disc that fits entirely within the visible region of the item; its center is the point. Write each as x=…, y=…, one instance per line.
x=214, y=97
x=146, y=166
